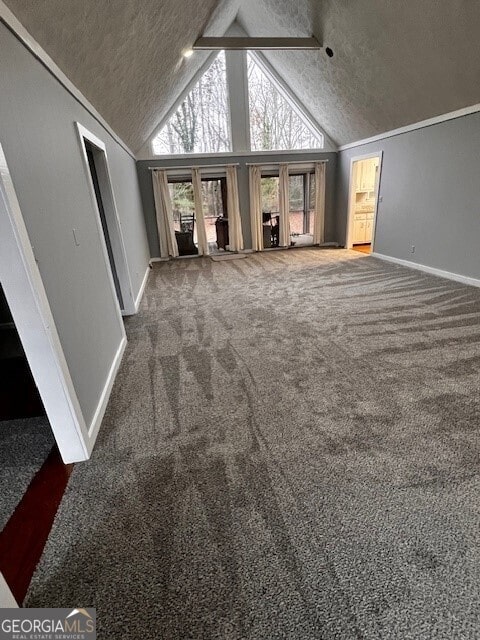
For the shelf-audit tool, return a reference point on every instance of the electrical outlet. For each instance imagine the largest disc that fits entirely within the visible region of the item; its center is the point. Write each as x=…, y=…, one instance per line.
x=412, y=248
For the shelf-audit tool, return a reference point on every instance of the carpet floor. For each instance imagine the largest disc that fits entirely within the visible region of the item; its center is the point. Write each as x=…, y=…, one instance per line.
x=24, y=447
x=291, y=450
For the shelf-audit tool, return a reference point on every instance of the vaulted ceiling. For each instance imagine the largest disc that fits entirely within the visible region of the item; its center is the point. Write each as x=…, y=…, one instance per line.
x=394, y=63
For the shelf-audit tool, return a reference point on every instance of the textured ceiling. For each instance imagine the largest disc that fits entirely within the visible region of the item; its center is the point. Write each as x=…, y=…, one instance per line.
x=125, y=56
x=395, y=63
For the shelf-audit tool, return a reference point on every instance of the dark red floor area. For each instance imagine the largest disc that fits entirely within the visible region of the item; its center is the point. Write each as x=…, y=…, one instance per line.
x=24, y=537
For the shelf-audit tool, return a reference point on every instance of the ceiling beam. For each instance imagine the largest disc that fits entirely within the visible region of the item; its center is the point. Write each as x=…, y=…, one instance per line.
x=247, y=43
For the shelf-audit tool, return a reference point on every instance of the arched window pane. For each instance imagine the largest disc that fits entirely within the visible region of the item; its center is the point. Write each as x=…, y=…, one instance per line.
x=274, y=123
x=201, y=123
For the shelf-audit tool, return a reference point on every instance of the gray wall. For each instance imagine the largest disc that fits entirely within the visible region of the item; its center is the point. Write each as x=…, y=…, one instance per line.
x=37, y=132
x=431, y=195
x=145, y=179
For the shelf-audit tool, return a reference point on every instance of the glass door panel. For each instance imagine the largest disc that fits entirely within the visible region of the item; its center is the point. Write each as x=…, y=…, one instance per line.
x=271, y=211
x=181, y=194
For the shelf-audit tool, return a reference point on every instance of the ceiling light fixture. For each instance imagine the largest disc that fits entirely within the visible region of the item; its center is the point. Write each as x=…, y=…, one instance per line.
x=188, y=53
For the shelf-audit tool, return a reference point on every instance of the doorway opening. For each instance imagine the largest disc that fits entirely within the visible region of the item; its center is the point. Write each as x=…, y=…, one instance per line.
x=96, y=163
x=26, y=437
x=214, y=202
x=363, y=202
x=19, y=396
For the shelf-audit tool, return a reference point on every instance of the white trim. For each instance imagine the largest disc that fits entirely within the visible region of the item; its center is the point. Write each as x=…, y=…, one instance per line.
x=113, y=221
x=248, y=251
x=105, y=396
x=224, y=165
x=142, y=289
x=457, y=277
x=350, y=214
x=238, y=100
x=7, y=601
x=234, y=154
x=298, y=165
x=28, y=302
x=8, y=18
x=247, y=43
x=445, y=117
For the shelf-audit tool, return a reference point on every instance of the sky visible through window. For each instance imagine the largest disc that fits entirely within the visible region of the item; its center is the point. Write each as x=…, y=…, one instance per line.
x=274, y=124
x=201, y=123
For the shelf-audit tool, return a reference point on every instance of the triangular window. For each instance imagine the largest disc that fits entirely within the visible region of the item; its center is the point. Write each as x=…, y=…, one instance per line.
x=276, y=123
x=201, y=124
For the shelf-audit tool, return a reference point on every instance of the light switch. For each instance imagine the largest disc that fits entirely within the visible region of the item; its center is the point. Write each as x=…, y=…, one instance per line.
x=75, y=237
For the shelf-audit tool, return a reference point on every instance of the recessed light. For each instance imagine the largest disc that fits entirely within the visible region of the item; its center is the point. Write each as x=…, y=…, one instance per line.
x=188, y=53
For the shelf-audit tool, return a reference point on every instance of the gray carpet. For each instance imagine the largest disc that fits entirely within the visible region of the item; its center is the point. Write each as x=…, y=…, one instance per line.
x=24, y=447
x=292, y=450
x=228, y=256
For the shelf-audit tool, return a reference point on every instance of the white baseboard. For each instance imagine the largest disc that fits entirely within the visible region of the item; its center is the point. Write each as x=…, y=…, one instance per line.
x=7, y=601
x=474, y=282
x=324, y=244
x=102, y=404
x=142, y=289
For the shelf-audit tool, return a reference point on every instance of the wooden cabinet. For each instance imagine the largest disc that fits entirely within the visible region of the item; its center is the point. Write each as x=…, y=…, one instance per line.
x=360, y=177
x=359, y=231
x=365, y=177
x=369, y=231
x=363, y=228
x=366, y=174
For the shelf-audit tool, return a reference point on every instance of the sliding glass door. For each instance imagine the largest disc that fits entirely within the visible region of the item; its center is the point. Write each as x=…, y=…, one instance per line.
x=214, y=195
x=301, y=209
x=270, y=211
x=302, y=206
x=214, y=199
x=181, y=194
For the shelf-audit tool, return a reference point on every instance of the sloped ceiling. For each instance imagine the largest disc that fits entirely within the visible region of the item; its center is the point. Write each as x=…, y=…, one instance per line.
x=125, y=56
x=394, y=63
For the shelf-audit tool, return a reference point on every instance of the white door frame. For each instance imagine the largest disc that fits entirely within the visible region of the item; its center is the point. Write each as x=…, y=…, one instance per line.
x=29, y=306
x=351, y=197
x=112, y=218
